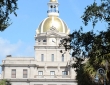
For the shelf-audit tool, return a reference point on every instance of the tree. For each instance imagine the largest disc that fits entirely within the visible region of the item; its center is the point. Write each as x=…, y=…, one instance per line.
x=97, y=13
x=89, y=44
x=4, y=82
x=7, y=7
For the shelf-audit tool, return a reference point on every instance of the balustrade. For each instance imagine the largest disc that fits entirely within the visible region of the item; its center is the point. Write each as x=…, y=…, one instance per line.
x=52, y=76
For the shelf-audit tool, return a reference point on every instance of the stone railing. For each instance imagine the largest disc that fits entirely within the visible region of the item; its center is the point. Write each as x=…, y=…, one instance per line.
x=18, y=62
x=34, y=62
x=42, y=43
x=52, y=76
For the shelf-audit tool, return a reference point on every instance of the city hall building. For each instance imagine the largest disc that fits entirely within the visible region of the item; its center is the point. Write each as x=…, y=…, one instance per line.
x=49, y=66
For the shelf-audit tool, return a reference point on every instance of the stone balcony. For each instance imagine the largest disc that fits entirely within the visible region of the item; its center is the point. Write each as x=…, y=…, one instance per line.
x=47, y=77
x=52, y=76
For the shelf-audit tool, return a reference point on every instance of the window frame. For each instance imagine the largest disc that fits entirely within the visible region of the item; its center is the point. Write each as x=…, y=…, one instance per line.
x=40, y=75
x=42, y=57
x=13, y=75
x=25, y=74
x=52, y=57
x=63, y=58
x=39, y=72
x=63, y=72
x=51, y=75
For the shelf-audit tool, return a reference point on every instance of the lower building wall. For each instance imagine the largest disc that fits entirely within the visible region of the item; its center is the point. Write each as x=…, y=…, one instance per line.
x=20, y=83
x=43, y=83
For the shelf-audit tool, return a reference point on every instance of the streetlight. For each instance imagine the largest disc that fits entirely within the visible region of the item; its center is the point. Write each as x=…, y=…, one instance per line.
x=101, y=72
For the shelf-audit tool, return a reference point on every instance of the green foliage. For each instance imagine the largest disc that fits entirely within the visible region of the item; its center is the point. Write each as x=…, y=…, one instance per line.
x=83, y=76
x=95, y=47
x=6, y=8
x=4, y=82
x=96, y=12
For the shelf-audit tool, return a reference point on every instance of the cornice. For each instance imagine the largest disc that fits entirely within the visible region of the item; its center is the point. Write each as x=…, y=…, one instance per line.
x=19, y=65
x=43, y=80
x=49, y=47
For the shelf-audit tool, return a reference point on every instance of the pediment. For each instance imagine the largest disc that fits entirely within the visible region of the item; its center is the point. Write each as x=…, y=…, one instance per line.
x=52, y=29
x=53, y=32
x=53, y=35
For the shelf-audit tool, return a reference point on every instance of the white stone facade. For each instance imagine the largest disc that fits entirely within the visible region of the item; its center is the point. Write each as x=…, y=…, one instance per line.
x=41, y=71
x=48, y=67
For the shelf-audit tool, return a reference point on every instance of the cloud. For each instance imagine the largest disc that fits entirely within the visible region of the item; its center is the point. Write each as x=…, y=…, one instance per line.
x=15, y=49
x=7, y=48
x=18, y=49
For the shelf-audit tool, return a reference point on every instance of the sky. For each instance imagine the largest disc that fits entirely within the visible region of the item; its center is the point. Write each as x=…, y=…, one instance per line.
x=18, y=39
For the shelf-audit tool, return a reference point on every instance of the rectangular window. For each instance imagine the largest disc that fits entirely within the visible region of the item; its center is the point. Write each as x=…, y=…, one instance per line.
x=13, y=73
x=40, y=74
x=25, y=73
x=64, y=74
x=42, y=57
x=52, y=57
x=52, y=74
x=62, y=57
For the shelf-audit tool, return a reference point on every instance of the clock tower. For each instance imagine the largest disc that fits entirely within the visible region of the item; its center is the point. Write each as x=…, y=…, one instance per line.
x=49, y=34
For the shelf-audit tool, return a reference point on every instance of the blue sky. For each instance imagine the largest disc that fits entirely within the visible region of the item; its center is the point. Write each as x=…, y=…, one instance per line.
x=18, y=39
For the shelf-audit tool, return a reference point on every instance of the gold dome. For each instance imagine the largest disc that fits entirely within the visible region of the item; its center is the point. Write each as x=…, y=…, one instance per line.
x=53, y=0
x=53, y=21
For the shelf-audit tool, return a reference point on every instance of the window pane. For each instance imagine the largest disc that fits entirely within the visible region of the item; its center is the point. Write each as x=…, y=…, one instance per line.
x=40, y=73
x=42, y=57
x=13, y=76
x=62, y=57
x=13, y=71
x=24, y=76
x=64, y=73
x=24, y=71
x=52, y=74
x=52, y=57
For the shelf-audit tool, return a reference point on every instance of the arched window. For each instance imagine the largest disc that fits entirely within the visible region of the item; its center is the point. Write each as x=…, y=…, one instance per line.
x=42, y=57
x=62, y=57
x=52, y=57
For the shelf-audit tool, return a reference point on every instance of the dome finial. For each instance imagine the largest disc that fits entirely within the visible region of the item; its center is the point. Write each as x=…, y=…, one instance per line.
x=53, y=1
x=53, y=8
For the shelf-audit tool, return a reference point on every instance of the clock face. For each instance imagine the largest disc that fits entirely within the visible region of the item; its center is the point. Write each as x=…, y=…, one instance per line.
x=52, y=40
